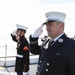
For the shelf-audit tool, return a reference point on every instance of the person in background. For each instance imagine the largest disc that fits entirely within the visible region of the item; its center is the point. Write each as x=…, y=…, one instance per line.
x=57, y=57
x=22, y=58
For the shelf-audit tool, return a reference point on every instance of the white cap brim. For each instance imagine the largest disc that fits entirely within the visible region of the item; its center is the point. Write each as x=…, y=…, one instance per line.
x=21, y=27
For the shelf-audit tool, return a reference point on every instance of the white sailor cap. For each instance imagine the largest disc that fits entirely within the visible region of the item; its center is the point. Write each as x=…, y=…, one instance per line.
x=56, y=16
x=21, y=27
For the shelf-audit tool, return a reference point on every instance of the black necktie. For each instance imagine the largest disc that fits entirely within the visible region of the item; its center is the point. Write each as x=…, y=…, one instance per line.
x=51, y=43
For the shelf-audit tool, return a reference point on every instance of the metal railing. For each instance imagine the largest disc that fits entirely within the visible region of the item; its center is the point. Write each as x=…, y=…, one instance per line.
x=4, y=53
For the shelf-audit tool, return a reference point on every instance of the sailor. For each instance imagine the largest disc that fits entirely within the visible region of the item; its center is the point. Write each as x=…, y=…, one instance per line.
x=22, y=58
x=58, y=57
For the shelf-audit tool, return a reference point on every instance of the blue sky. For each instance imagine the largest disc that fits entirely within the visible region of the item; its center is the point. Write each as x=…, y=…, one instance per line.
x=31, y=13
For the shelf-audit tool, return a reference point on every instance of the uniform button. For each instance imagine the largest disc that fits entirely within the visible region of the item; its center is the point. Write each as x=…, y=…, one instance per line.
x=40, y=61
x=24, y=65
x=47, y=64
x=24, y=68
x=47, y=70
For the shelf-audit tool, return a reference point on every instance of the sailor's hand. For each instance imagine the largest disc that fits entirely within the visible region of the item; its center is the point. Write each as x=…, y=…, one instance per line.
x=38, y=32
x=14, y=33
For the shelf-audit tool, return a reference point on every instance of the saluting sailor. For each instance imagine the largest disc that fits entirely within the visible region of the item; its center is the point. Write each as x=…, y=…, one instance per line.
x=22, y=58
x=57, y=55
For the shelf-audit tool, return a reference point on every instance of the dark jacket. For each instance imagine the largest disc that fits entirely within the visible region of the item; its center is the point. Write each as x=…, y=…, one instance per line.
x=22, y=64
x=58, y=59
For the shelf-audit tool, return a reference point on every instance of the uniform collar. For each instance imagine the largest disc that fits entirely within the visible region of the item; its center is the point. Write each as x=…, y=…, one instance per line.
x=58, y=37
